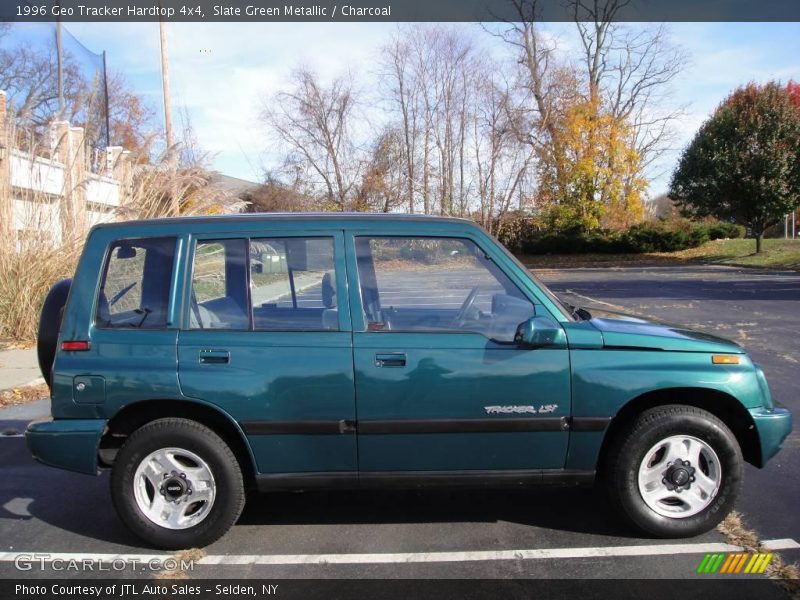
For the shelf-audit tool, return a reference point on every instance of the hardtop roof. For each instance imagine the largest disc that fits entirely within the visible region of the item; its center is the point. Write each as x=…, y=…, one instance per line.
x=329, y=218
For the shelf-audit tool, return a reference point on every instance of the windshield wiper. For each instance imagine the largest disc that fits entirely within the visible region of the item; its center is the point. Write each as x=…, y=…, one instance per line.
x=577, y=312
x=145, y=312
x=118, y=296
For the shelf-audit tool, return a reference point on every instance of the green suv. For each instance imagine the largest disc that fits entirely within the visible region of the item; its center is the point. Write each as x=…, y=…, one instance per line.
x=199, y=357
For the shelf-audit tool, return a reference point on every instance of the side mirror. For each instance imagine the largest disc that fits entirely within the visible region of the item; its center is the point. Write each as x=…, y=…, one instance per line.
x=540, y=332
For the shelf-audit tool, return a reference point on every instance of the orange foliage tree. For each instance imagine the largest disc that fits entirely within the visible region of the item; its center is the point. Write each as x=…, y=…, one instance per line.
x=590, y=175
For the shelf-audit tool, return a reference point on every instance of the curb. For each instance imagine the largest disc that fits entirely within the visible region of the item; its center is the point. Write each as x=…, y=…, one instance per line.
x=37, y=381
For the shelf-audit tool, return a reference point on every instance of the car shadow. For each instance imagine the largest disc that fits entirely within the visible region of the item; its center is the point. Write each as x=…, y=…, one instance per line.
x=579, y=510
x=72, y=502
x=81, y=504
x=88, y=512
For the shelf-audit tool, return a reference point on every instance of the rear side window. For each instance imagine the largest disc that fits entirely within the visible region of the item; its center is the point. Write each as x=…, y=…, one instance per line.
x=134, y=290
x=265, y=284
x=293, y=284
x=219, y=285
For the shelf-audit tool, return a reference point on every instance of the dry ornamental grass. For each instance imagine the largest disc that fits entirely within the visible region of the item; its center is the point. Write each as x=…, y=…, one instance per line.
x=42, y=256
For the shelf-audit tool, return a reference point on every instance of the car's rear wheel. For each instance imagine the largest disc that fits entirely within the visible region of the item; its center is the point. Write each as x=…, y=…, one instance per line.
x=176, y=484
x=675, y=472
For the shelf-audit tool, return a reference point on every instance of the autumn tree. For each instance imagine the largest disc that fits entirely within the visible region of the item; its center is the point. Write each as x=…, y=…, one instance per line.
x=275, y=195
x=596, y=119
x=131, y=118
x=744, y=162
x=793, y=87
x=30, y=76
x=383, y=183
x=591, y=175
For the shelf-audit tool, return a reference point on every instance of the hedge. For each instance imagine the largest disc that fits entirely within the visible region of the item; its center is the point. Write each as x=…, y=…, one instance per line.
x=644, y=237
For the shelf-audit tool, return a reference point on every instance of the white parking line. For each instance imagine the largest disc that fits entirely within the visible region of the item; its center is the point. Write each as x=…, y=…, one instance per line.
x=420, y=557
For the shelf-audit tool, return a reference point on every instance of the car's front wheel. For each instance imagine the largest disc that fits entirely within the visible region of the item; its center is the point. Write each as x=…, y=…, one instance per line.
x=675, y=472
x=176, y=484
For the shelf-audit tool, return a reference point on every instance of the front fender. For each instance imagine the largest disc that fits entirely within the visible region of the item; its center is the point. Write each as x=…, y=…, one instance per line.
x=604, y=381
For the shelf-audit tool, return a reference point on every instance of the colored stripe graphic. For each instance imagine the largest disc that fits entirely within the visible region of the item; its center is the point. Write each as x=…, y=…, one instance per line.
x=764, y=562
x=742, y=560
x=703, y=563
x=718, y=563
x=727, y=564
x=756, y=558
x=732, y=563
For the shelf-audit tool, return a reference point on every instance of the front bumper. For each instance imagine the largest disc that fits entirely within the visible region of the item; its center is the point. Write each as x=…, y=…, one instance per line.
x=773, y=426
x=69, y=444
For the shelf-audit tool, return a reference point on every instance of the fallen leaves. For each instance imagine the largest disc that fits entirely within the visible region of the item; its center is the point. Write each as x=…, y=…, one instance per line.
x=22, y=395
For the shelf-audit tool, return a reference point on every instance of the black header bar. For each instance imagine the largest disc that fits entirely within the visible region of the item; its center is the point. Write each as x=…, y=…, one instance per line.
x=396, y=10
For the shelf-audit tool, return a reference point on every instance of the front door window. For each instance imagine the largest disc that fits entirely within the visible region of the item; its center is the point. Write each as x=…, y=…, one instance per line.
x=437, y=285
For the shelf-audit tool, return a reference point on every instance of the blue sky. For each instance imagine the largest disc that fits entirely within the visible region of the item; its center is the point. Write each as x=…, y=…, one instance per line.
x=222, y=72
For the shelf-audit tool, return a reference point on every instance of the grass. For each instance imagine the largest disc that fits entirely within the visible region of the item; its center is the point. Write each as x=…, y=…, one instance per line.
x=785, y=575
x=777, y=254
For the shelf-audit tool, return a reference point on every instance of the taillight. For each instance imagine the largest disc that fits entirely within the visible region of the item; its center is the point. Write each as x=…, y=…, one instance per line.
x=75, y=345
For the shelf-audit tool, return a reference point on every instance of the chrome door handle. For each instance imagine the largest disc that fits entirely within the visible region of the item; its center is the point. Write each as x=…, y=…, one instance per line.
x=215, y=357
x=390, y=359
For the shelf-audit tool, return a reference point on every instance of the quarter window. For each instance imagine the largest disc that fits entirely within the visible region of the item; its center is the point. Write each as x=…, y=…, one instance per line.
x=134, y=290
x=437, y=284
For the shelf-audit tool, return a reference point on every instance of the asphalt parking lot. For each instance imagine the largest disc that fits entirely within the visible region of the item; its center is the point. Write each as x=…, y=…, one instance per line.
x=540, y=533
x=759, y=310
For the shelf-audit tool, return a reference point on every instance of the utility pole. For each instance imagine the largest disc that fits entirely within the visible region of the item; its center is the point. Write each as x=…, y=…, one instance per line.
x=175, y=206
x=60, y=68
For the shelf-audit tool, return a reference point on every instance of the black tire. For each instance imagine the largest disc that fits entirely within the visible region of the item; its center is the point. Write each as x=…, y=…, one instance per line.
x=200, y=440
x=49, y=325
x=621, y=471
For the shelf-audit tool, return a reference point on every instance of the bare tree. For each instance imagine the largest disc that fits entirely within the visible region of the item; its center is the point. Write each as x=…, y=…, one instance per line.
x=427, y=80
x=401, y=88
x=545, y=81
x=501, y=160
x=313, y=121
x=629, y=72
x=452, y=112
x=450, y=78
x=189, y=152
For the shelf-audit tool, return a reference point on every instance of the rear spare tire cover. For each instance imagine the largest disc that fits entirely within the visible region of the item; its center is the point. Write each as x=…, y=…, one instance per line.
x=49, y=324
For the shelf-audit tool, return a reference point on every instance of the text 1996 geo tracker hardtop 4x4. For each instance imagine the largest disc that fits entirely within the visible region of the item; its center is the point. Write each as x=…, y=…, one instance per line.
x=197, y=357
